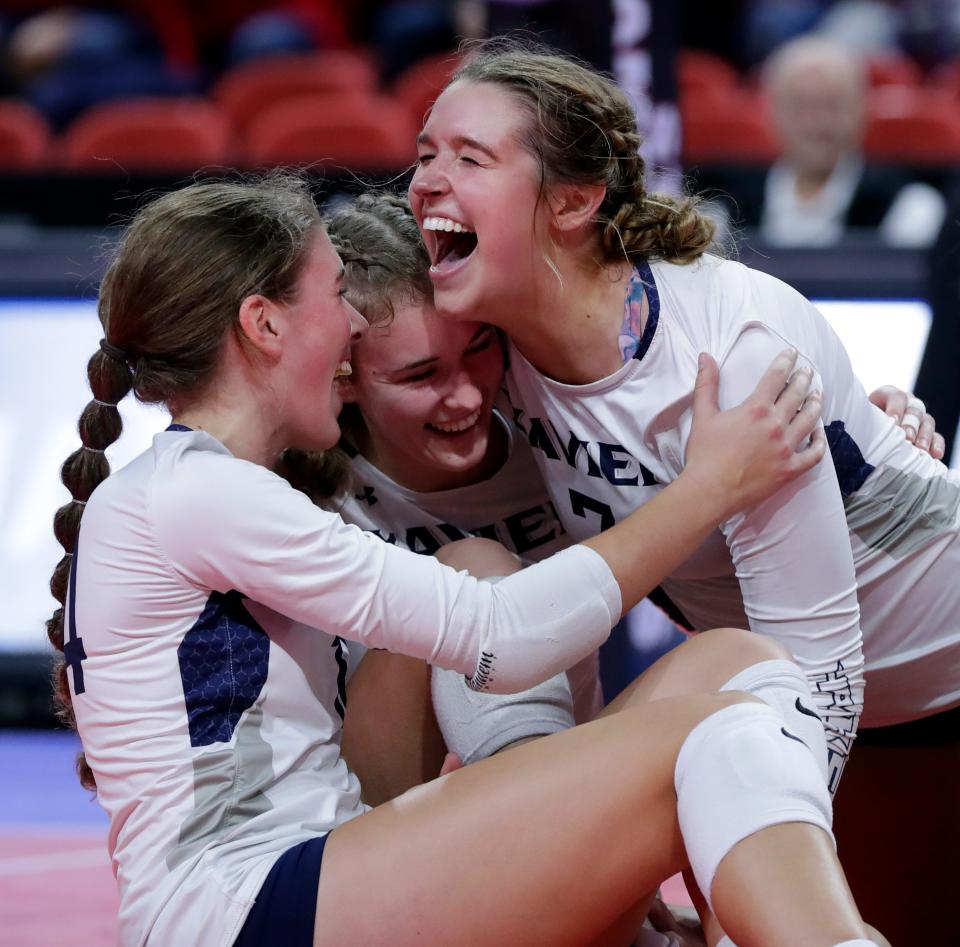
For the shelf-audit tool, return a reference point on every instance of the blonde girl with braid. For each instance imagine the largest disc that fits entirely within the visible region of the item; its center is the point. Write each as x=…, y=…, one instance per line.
x=205, y=603
x=530, y=195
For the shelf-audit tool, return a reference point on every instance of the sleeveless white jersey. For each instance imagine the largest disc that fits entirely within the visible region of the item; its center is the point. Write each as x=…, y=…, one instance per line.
x=877, y=520
x=512, y=506
x=208, y=702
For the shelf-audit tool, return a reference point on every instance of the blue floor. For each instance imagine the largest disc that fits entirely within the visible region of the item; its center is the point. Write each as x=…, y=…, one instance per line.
x=40, y=786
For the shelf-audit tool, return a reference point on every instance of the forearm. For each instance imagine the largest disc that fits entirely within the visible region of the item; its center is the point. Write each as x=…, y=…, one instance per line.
x=653, y=541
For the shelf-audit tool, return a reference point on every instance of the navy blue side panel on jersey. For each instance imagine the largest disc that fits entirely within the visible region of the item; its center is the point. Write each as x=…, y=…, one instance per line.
x=852, y=469
x=653, y=316
x=223, y=666
x=73, y=652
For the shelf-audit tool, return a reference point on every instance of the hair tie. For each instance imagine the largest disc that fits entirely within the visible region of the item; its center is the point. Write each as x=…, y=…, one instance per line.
x=93, y=450
x=114, y=352
x=104, y=404
x=81, y=502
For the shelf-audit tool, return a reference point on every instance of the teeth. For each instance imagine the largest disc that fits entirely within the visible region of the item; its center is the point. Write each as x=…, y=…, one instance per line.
x=344, y=370
x=444, y=223
x=454, y=427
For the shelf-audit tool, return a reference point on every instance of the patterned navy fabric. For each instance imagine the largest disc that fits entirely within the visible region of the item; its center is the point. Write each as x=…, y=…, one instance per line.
x=223, y=666
x=852, y=469
x=653, y=316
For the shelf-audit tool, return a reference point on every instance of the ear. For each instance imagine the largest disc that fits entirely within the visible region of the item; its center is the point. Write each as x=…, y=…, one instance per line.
x=575, y=206
x=261, y=323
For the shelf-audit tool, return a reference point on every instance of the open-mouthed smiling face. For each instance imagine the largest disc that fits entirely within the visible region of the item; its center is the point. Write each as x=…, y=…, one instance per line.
x=475, y=196
x=426, y=388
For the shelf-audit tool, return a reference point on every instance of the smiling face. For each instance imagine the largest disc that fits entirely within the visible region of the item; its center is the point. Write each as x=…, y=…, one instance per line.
x=475, y=195
x=322, y=324
x=426, y=387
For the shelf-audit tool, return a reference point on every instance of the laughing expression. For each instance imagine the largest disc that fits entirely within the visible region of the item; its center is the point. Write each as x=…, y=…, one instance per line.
x=475, y=195
x=426, y=388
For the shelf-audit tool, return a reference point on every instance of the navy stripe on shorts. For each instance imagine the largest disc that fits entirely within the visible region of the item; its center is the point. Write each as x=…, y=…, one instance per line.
x=286, y=905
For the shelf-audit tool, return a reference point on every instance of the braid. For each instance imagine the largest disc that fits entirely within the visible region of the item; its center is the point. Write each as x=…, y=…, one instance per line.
x=583, y=129
x=166, y=302
x=99, y=426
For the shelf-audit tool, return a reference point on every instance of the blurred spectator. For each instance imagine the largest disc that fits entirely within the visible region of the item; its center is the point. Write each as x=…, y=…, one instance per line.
x=822, y=185
x=401, y=32
x=768, y=24
x=64, y=59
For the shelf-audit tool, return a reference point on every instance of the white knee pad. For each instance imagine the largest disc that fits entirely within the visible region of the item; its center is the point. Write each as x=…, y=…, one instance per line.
x=739, y=771
x=477, y=725
x=783, y=686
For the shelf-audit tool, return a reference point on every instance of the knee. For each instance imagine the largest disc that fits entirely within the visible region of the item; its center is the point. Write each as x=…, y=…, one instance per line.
x=483, y=558
x=747, y=646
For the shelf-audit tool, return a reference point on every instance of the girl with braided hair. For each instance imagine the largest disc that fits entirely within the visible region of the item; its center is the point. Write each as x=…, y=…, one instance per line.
x=205, y=604
x=530, y=194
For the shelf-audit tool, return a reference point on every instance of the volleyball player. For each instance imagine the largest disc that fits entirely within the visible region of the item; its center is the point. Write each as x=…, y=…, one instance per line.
x=531, y=197
x=205, y=602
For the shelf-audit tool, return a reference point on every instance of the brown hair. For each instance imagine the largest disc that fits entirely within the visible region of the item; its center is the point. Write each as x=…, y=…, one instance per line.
x=169, y=297
x=384, y=262
x=583, y=129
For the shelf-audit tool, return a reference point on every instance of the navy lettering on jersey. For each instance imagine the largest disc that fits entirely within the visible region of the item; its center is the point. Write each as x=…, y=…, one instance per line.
x=420, y=539
x=573, y=447
x=540, y=439
x=614, y=458
x=341, y=655
x=486, y=532
x=852, y=469
x=518, y=420
x=73, y=653
x=223, y=667
x=581, y=504
x=531, y=528
x=453, y=533
x=390, y=538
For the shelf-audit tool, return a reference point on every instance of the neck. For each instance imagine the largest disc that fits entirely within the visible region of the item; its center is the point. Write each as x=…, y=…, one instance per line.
x=572, y=333
x=235, y=416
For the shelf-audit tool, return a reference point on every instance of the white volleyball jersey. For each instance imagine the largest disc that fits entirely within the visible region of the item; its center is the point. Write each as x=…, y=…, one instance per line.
x=208, y=702
x=878, y=519
x=512, y=507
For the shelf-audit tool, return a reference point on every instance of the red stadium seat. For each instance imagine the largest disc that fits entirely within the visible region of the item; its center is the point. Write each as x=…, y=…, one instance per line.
x=913, y=125
x=360, y=133
x=24, y=136
x=418, y=86
x=698, y=70
x=147, y=135
x=893, y=70
x=245, y=91
x=727, y=127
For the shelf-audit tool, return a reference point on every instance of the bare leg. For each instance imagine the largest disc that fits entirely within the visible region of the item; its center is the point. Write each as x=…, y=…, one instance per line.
x=554, y=841
x=390, y=736
x=702, y=664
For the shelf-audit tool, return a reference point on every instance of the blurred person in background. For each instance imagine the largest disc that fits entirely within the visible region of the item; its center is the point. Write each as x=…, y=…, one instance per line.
x=821, y=186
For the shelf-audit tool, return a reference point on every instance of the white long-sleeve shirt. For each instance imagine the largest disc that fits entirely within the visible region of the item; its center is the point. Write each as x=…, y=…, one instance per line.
x=877, y=521
x=204, y=626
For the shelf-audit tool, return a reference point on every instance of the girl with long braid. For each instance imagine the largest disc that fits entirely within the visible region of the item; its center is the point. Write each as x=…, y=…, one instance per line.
x=205, y=604
x=530, y=194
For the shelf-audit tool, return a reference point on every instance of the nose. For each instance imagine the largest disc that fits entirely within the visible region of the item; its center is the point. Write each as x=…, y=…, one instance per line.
x=358, y=325
x=463, y=392
x=428, y=180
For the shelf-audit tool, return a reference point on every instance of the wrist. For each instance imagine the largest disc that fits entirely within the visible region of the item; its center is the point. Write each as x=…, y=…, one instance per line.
x=705, y=493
